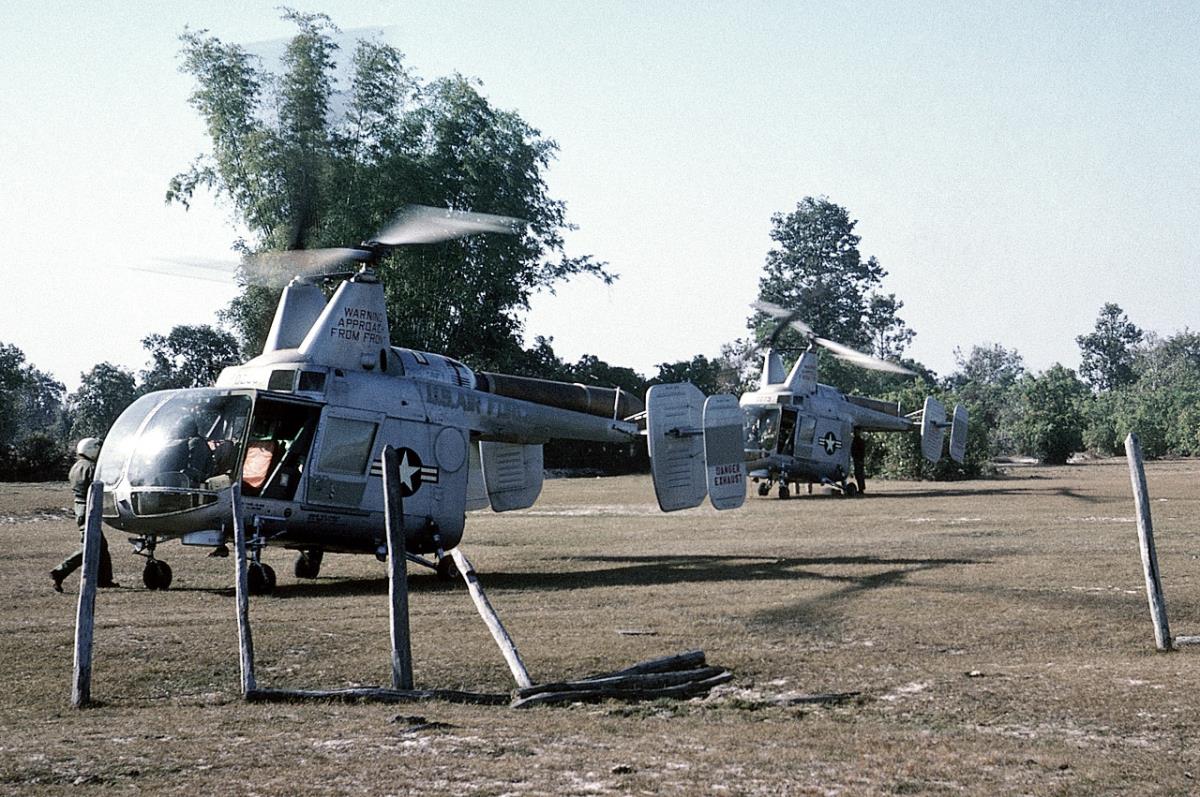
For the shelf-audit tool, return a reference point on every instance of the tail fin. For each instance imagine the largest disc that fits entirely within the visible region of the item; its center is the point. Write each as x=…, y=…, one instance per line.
x=695, y=446
x=933, y=425
x=958, y=434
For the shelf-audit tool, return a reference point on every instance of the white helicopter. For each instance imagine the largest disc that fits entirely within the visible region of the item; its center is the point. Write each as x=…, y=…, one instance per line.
x=799, y=431
x=302, y=426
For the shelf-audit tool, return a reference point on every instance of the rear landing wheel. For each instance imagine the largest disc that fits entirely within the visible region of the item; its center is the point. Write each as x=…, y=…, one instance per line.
x=447, y=570
x=764, y=488
x=850, y=489
x=308, y=564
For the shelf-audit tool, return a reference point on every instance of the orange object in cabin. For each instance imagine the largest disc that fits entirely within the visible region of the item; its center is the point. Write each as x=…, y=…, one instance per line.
x=260, y=456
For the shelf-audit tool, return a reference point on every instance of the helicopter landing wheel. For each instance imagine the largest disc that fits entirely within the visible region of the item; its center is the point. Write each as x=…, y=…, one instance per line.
x=764, y=488
x=850, y=489
x=447, y=570
x=308, y=563
x=784, y=494
x=156, y=575
x=260, y=579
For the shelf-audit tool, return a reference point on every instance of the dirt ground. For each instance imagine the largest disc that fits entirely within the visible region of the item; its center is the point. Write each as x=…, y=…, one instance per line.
x=997, y=631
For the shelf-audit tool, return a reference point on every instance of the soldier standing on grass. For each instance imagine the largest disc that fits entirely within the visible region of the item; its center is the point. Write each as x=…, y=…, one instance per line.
x=82, y=473
x=858, y=453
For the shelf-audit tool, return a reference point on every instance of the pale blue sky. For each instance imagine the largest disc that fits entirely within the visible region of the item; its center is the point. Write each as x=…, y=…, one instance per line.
x=1013, y=166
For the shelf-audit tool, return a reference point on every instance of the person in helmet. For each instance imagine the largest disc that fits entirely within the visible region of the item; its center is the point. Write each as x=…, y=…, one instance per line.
x=82, y=473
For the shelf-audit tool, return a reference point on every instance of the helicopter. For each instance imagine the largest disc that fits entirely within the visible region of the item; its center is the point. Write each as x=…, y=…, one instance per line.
x=301, y=427
x=798, y=431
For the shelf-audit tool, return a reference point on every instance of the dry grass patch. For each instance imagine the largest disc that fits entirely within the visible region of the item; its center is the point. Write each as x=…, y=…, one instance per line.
x=997, y=632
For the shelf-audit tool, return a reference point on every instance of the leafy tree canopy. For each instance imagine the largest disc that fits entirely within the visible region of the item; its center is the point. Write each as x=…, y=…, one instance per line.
x=1108, y=350
x=1051, y=414
x=104, y=393
x=299, y=175
x=816, y=267
x=188, y=356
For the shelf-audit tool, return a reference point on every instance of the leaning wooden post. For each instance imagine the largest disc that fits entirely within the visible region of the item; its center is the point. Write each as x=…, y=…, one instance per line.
x=507, y=647
x=85, y=613
x=242, y=590
x=1141, y=497
x=393, y=511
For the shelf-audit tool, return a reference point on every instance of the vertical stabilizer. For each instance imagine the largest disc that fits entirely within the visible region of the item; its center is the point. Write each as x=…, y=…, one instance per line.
x=933, y=426
x=352, y=332
x=299, y=308
x=772, y=372
x=803, y=378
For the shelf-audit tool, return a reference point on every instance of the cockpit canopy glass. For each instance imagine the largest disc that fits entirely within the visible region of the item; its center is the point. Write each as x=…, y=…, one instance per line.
x=762, y=428
x=186, y=439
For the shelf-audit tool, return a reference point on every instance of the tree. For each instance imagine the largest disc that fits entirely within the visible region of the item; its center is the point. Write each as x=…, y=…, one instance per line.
x=984, y=381
x=1108, y=350
x=816, y=268
x=188, y=356
x=104, y=393
x=1051, y=414
x=31, y=401
x=890, y=336
x=300, y=176
x=702, y=372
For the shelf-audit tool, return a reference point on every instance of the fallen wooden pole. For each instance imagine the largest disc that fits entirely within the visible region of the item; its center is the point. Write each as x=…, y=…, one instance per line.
x=507, y=647
x=626, y=682
x=242, y=592
x=376, y=694
x=687, y=660
x=690, y=689
x=1141, y=498
x=393, y=510
x=85, y=611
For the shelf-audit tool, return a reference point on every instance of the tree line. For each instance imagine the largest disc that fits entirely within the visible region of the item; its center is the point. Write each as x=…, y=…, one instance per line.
x=303, y=159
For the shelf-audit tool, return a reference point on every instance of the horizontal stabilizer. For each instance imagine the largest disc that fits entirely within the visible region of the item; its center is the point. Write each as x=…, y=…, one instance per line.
x=933, y=424
x=958, y=434
x=723, y=452
x=675, y=435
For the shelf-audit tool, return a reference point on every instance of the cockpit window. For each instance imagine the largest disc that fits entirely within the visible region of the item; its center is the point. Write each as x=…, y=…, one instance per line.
x=762, y=428
x=191, y=440
x=122, y=436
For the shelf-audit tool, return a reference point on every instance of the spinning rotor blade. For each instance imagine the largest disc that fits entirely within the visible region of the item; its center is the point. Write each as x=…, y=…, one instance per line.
x=277, y=268
x=418, y=224
x=787, y=318
x=862, y=360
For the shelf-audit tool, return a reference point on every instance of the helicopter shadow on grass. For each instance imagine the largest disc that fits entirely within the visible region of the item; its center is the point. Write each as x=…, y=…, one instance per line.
x=973, y=492
x=336, y=586
x=641, y=571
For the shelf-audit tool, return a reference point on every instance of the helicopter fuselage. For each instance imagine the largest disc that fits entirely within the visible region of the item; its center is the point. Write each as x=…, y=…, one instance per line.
x=304, y=442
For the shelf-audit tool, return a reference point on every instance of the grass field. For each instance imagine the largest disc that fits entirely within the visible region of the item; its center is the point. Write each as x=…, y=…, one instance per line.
x=997, y=631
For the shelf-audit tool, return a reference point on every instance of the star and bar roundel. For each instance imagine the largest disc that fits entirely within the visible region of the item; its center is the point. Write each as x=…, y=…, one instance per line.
x=412, y=473
x=830, y=443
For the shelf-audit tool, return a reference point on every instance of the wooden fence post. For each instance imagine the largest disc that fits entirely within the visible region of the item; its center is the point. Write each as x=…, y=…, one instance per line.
x=393, y=510
x=507, y=647
x=1141, y=498
x=85, y=612
x=242, y=591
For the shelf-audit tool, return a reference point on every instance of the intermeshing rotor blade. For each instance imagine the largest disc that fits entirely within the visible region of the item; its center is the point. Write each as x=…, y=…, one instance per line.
x=418, y=224
x=862, y=360
x=276, y=268
x=786, y=318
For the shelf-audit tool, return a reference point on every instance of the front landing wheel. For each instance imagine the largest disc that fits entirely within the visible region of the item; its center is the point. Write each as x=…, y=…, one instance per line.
x=156, y=575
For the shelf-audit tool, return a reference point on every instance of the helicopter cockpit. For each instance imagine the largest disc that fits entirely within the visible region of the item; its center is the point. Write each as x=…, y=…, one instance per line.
x=762, y=429
x=174, y=450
